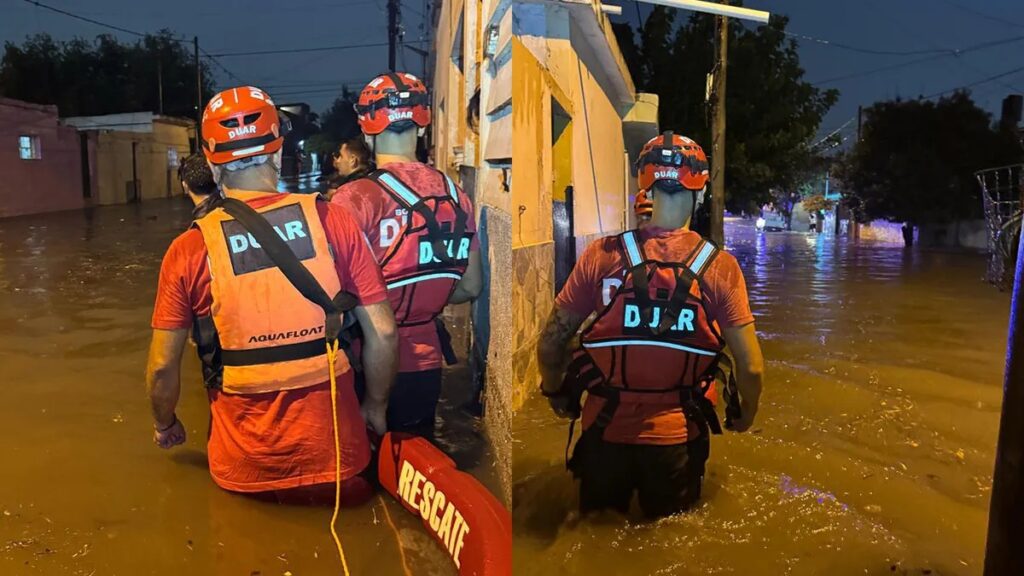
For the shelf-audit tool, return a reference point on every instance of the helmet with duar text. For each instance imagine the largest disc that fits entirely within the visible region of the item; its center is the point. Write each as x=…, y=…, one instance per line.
x=674, y=158
x=241, y=123
x=394, y=101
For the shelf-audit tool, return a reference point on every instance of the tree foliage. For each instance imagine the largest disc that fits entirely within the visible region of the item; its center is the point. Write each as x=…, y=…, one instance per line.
x=772, y=113
x=104, y=76
x=917, y=158
x=337, y=123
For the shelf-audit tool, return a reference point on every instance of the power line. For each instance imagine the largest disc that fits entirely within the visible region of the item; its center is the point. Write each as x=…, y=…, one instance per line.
x=83, y=18
x=871, y=51
x=983, y=15
x=976, y=83
x=209, y=56
x=956, y=53
x=301, y=50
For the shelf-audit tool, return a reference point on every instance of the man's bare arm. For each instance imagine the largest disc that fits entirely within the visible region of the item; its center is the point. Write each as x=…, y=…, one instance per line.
x=471, y=283
x=552, y=349
x=163, y=374
x=380, y=360
x=748, y=362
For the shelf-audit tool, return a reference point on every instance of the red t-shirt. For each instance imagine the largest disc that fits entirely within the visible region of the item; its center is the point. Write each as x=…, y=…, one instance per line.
x=275, y=440
x=419, y=347
x=586, y=292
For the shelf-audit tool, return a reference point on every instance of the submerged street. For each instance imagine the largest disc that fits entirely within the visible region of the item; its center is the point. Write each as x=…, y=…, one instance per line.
x=874, y=445
x=84, y=490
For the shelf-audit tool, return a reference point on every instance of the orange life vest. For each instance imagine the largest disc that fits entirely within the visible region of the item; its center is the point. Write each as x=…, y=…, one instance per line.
x=430, y=253
x=653, y=342
x=268, y=336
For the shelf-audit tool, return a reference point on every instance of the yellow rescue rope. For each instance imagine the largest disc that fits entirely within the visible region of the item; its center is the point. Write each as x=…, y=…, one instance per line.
x=332, y=353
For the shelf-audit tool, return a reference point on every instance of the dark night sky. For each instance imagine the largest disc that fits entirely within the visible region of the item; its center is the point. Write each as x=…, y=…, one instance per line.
x=893, y=25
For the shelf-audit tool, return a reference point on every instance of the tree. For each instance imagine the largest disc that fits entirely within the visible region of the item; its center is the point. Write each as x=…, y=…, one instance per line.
x=104, y=76
x=916, y=160
x=337, y=124
x=773, y=114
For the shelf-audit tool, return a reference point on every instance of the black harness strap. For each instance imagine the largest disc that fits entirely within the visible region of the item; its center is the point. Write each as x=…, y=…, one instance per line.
x=297, y=274
x=420, y=207
x=284, y=353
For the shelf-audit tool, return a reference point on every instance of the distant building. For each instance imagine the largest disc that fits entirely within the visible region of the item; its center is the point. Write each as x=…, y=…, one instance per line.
x=132, y=156
x=40, y=161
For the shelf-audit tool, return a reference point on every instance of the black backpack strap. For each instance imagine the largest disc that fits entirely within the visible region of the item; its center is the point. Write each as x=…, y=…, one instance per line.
x=696, y=265
x=289, y=264
x=410, y=200
x=636, y=265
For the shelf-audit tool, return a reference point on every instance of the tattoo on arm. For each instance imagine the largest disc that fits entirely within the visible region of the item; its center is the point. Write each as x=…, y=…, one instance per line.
x=552, y=354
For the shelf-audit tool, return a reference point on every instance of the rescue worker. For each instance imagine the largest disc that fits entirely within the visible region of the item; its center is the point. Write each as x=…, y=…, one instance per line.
x=667, y=302
x=262, y=344
x=421, y=228
x=197, y=181
x=352, y=162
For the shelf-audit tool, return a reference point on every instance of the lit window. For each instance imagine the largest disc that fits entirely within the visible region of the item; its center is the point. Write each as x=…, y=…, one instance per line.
x=28, y=148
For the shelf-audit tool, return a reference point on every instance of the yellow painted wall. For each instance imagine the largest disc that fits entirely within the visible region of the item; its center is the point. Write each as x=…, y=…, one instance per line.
x=531, y=142
x=114, y=163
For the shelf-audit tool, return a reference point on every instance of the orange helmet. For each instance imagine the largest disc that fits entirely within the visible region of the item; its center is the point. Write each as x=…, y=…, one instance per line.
x=643, y=206
x=393, y=101
x=675, y=158
x=241, y=123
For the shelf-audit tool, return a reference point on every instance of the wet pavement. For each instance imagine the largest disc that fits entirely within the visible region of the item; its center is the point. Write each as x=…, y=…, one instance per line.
x=85, y=492
x=874, y=447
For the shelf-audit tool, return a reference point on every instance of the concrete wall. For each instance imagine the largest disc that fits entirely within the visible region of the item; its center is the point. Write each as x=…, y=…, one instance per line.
x=568, y=128
x=480, y=159
x=970, y=234
x=54, y=182
x=113, y=163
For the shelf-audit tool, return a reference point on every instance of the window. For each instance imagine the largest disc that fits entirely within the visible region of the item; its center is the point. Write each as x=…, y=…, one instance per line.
x=28, y=148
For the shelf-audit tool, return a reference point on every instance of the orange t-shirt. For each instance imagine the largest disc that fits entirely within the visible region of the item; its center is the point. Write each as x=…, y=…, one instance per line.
x=724, y=291
x=419, y=347
x=275, y=440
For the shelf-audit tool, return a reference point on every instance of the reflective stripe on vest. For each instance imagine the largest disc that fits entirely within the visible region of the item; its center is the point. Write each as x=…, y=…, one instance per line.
x=632, y=249
x=407, y=196
x=423, y=278
x=452, y=191
x=635, y=342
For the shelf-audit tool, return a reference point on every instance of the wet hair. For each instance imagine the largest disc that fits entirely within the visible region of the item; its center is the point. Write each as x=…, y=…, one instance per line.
x=195, y=172
x=358, y=148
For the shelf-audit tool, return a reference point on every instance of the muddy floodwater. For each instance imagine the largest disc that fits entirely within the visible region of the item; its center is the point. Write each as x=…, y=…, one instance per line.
x=83, y=490
x=874, y=445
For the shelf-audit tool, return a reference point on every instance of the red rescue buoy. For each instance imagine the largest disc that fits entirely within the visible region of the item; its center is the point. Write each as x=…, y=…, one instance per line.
x=472, y=526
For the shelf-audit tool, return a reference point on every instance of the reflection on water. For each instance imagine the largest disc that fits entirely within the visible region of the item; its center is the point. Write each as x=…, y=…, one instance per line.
x=875, y=442
x=83, y=489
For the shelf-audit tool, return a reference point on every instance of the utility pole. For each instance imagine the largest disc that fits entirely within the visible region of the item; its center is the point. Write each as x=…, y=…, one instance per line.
x=718, y=135
x=393, y=16
x=199, y=93
x=160, y=84
x=860, y=120
x=1003, y=553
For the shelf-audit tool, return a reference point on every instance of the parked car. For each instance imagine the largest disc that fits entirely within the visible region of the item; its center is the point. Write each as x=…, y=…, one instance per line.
x=771, y=222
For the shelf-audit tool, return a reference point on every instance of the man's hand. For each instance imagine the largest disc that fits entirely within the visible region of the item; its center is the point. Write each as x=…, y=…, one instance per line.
x=169, y=436
x=375, y=413
x=560, y=405
x=748, y=365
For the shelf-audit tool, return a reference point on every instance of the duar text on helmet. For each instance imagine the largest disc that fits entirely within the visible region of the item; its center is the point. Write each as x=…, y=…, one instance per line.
x=674, y=174
x=398, y=116
x=243, y=131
